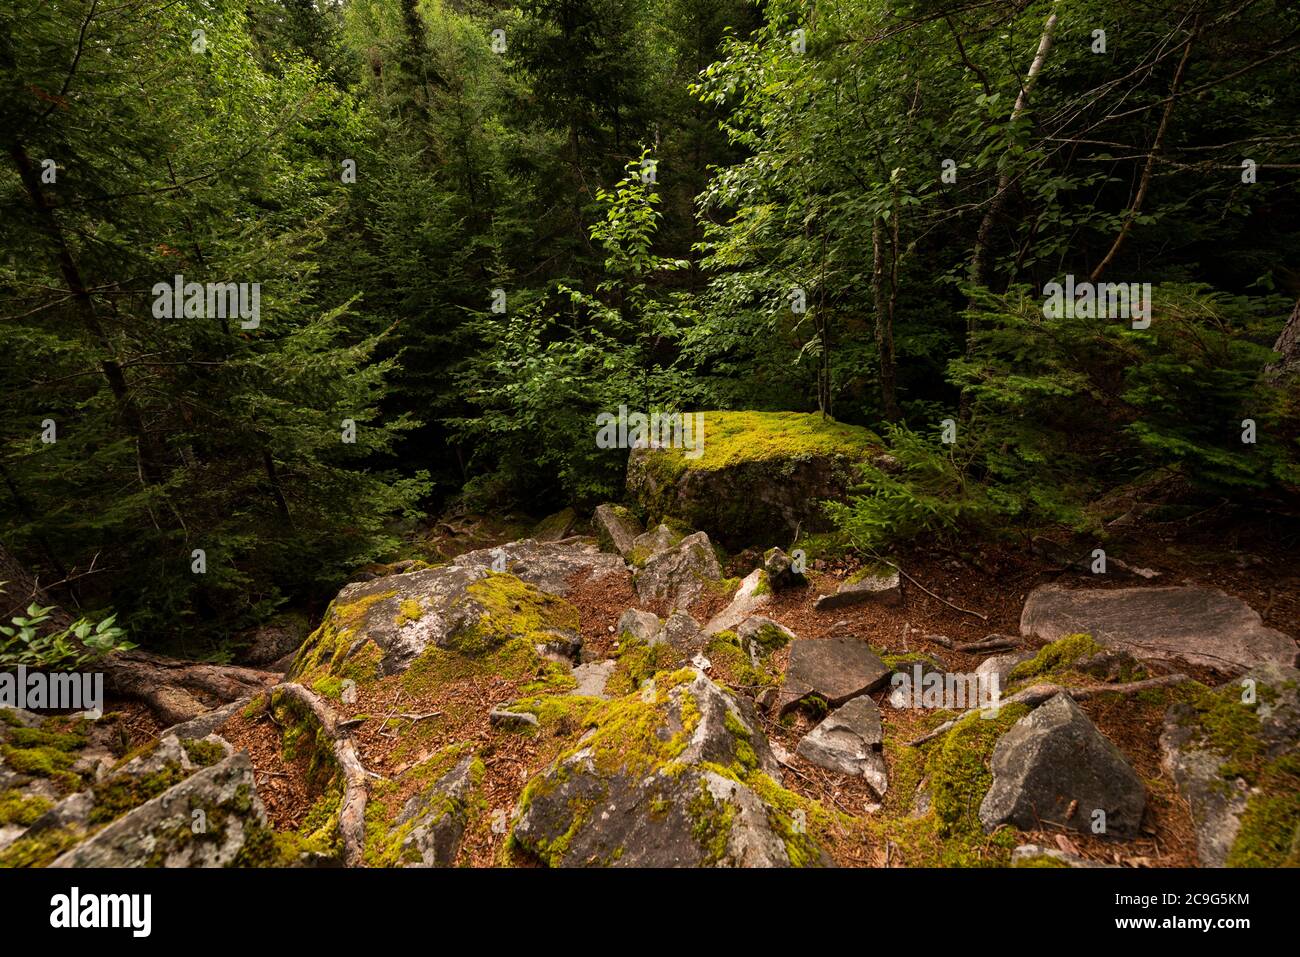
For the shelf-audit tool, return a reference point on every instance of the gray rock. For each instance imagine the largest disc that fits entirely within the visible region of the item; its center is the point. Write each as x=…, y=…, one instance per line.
x=676, y=578
x=780, y=570
x=641, y=625
x=1205, y=777
x=654, y=542
x=502, y=717
x=1027, y=854
x=753, y=595
x=848, y=740
x=556, y=526
x=1202, y=626
x=593, y=676
x=441, y=814
x=403, y=615
x=683, y=632
x=548, y=566
x=880, y=586
x=1053, y=757
x=616, y=526
x=162, y=831
x=835, y=669
x=1002, y=666
x=613, y=811
x=762, y=497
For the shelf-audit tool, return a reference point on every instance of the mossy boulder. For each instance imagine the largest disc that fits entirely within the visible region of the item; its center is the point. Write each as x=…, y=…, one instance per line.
x=552, y=567
x=382, y=627
x=677, y=775
x=1234, y=752
x=760, y=477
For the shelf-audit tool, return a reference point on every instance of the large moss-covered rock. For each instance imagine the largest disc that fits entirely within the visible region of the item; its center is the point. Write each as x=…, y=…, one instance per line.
x=382, y=627
x=1234, y=752
x=761, y=475
x=677, y=775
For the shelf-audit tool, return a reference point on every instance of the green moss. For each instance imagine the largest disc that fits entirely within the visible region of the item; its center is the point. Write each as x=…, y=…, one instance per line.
x=38, y=850
x=638, y=661
x=10, y=717
x=17, y=808
x=384, y=838
x=43, y=762
x=733, y=438
x=125, y=792
x=731, y=659
x=1270, y=826
x=770, y=638
x=203, y=753
x=37, y=738
x=511, y=609
x=435, y=667
x=408, y=610
x=957, y=768
x=711, y=822
x=1041, y=860
x=1056, y=657
x=328, y=651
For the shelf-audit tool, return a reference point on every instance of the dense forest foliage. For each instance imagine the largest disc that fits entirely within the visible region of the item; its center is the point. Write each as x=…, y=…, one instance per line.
x=476, y=225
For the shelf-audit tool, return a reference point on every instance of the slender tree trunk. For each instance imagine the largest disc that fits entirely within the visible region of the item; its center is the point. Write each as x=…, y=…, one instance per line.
x=1288, y=344
x=150, y=459
x=884, y=323
x=982, y=256
x=1135, y=208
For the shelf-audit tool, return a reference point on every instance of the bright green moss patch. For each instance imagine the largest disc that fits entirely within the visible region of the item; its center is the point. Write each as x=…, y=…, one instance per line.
x=435, y=667
x=638, y=661
x=958, y=776
x=38, y=850
x=1041, y=860
x=1270, y=825
x=733, y=438
x=329, y=649
x=1056, y=657
x=17, y=808
x=729, y=657
x=511, y=609
x=203, y=753
x=125, y=792
x=37, y=738
x=408, y=610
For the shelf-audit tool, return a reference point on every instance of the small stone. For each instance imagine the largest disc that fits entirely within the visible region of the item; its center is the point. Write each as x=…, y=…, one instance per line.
x=848, y=740
x=880, y=586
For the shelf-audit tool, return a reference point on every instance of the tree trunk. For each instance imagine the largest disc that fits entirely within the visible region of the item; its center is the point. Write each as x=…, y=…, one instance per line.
x=884, y=324
x=1288, y=344
x=150, y=458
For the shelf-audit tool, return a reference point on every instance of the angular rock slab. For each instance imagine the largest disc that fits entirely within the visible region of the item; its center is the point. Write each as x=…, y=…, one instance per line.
x=592, y=677
x=836, y=669
x=1216, y=796
x=882, y=587
x=1202, y=626
x=1052, y=757
x=753, y=595
x=616, y=525
x=159, y=833
x=597, y=807
x=677, y=577
x=849, y=741
x=549, y=566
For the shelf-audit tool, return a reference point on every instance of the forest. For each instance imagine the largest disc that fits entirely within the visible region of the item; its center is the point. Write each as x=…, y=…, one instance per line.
x=920, y=311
